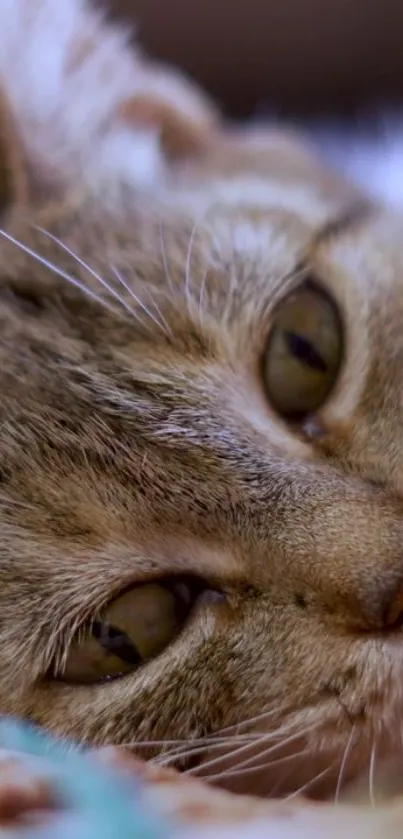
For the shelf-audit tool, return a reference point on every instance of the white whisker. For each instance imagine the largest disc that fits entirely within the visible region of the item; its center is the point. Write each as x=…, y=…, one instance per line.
x=276, y=735
x=371, y=776
x=275, y=789
x=182, y=752
x=343, y=764
x=266, y=752
x=182, y=747
x=203, y=284
x=265, y=715
x=172, y=742
x=158, y=310
x=306, y=786
x=233, y=278
x=137, y=299
x=260, y=767
x=58, y=271
x=165, y=259
x=127, y=288
x=188, y=292
x=212, y=742
x=134, y=744
x=86, y=267
x=130, y=291
x=230, y=733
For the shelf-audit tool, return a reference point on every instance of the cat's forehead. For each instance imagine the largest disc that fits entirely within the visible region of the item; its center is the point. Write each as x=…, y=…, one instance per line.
x=213, y=269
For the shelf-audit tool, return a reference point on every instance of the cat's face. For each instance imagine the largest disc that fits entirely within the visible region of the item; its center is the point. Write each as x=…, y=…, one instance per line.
x=206, y=467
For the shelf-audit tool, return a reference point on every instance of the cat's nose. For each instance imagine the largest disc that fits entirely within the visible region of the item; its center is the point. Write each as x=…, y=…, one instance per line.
x=392, y=617
x=379, y=608
x=369, y=611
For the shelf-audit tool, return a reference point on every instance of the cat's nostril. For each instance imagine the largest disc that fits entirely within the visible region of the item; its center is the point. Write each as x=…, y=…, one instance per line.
x=381, y=612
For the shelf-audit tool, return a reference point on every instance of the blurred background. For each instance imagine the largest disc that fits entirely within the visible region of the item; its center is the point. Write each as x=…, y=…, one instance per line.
x=300, y=56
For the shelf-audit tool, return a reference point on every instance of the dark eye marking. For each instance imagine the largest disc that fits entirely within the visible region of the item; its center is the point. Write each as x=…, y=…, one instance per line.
x=358, y=212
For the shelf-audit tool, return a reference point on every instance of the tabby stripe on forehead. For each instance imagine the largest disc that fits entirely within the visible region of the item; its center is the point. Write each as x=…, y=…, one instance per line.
x=356, y=213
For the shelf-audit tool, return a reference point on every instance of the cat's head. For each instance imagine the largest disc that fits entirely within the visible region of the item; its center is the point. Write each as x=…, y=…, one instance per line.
x=201, y=468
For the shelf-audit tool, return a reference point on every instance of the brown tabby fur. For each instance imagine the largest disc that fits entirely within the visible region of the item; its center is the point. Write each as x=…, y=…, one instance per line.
x=137, y=441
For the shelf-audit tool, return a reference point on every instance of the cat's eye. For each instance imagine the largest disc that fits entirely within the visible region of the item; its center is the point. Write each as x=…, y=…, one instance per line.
x=133, y=628
x=304, y=352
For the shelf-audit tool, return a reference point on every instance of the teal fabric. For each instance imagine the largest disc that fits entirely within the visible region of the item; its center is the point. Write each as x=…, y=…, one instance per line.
x=99, y=806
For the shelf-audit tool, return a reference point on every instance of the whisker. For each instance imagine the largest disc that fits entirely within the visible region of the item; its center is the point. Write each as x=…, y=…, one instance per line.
x=210, y=742
x=226, y=735
x=242, y=749
x=158, y=310
x=165, y=258
x=215, y=740
x=371, y=776
x=262, y=717
x=58, y=271
x=230, y=733
x=134, y=744
x=228, y=773
x=276, y=788
x=202, y=291
x=275, y=747
x=233, y=278
x=182, y=753
x=127, y=288
x=343, y=764
x=306, y=786
x=130, y=291
x=137, y=299
x=180, y=741
x=86, y=267
x=188, y=293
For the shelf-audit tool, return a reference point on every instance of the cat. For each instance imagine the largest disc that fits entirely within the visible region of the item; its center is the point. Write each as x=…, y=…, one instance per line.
x=200, y=425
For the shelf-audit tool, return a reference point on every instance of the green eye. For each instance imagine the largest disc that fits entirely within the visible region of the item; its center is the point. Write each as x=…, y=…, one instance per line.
x=304, y=352
x=133, y=629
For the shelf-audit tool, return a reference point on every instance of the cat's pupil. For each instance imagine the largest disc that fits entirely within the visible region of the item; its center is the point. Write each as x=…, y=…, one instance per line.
x=305, y=352
x=116, y=642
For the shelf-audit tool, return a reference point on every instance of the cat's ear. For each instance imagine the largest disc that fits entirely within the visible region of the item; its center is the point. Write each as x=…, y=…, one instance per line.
x=280, y=155
x=97, y=113
x=178, y=110
x=13, y=168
